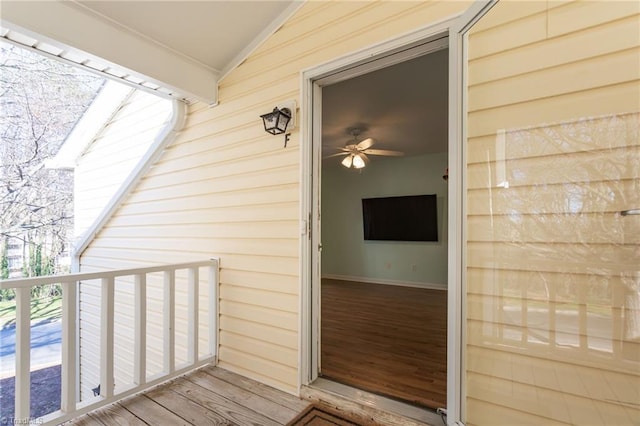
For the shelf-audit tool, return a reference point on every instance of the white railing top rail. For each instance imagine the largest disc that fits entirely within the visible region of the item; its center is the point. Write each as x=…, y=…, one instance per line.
x=80, y=276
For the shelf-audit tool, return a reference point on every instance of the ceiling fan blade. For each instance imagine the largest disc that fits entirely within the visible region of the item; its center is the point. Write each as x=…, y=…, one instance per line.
x=384, y=152
x=337, y=154
x=365, y=144
x=364, y=157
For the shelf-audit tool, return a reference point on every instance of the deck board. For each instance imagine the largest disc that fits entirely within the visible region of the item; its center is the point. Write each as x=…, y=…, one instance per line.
x=192, y=412
x=215, y=402
x=115, y=415
x=208, y=396
x=258, y=388
x=151, y=412
x=275, y=412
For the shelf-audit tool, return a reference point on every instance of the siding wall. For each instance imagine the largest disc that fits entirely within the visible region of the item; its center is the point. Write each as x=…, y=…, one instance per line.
x=100, y=173
x=553, y=273
x=228, y=189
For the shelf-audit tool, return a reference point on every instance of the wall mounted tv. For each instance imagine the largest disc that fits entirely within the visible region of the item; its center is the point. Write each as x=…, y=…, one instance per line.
x=406, y=218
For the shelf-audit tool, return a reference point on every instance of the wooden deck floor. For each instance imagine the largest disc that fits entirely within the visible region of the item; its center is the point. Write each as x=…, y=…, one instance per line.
x=208, y=396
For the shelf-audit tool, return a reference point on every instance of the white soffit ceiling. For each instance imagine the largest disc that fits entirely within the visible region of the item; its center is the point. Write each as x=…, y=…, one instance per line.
x=176, y=48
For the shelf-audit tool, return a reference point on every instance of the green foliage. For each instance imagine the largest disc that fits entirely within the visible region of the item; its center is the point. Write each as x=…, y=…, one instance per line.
x=4, y=265
x=7, y=294
x=37, y=266
x=47, y=308
x=46, y=291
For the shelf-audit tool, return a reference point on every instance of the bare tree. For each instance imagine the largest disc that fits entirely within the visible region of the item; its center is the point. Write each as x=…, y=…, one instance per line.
x=40, y=102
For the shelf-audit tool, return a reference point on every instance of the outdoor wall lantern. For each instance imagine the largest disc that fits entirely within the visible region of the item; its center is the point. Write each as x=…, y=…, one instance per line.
x=276, y=121
x=280, y=120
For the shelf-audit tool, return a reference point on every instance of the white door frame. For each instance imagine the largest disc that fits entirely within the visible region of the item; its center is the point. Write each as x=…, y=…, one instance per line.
x=310, y=150
x=456, y=313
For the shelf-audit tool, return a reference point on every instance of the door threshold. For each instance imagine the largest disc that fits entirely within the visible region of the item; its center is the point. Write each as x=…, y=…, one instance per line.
x=368, y=405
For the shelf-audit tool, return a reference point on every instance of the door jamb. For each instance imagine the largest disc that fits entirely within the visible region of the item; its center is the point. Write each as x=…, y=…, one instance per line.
x=456, y=308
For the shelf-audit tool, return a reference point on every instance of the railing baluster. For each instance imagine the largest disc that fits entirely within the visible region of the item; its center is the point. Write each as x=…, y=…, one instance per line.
x=617, y=318
x=23, y=353
x=140, y=350
x=68, y=393
x=213, y=309
x=193, y=308
x=583, y=333
x=552, y=303
x=106, y=337
x=524, y=314
x=169, y=321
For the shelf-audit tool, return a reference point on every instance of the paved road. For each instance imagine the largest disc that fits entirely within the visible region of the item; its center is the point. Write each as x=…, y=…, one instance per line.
x=46, y=345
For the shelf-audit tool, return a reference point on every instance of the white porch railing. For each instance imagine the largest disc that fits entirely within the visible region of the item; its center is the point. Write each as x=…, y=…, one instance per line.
x=69, y=405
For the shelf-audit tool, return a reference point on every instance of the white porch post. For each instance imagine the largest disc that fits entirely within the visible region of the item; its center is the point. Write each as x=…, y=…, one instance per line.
x=106, y=338
x=169, y=321
x=140, y=350
x=193, y=308
x=23, y=353
x=68, y=395
x=213, y=309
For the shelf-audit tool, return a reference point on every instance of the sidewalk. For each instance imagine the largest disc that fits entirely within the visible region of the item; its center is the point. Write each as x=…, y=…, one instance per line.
x=46, y=346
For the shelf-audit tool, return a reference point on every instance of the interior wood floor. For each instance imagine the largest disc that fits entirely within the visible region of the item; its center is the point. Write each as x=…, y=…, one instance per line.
x=208, y=396
x=385, y=339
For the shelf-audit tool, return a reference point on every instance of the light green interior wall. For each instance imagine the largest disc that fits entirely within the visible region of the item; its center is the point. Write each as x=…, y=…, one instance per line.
x=344, y=250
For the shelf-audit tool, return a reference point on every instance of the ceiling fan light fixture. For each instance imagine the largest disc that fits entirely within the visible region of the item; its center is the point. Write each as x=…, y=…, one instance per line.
x=357, y=152
x=358, y=162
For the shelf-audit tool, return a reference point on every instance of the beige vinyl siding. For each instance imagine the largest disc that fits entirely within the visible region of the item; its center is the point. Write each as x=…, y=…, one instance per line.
x=552, y=268
x=102, y=169
x=226, y=188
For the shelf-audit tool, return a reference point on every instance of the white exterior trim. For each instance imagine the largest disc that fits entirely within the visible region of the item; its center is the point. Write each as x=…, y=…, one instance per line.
x=163, y=139
x=456, y=313
x=100, y=112
x=59, y=24
x=311, y=127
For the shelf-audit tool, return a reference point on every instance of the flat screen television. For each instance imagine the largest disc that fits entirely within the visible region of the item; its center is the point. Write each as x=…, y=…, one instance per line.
x=405, y=218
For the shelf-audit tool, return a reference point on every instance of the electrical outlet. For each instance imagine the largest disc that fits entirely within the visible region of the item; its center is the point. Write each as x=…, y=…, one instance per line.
x=414, y=268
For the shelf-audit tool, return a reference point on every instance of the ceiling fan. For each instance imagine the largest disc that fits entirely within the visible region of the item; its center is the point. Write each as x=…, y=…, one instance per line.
x=356, y=152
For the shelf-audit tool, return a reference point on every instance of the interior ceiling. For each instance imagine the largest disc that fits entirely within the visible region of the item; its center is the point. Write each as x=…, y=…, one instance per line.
x=403, y=107
x=211, y=33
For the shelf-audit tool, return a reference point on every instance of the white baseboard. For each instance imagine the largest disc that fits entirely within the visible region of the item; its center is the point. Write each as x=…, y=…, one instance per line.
x=416, y=284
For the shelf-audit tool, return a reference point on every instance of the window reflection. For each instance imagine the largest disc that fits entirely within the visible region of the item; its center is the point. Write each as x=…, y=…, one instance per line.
x=559, y=270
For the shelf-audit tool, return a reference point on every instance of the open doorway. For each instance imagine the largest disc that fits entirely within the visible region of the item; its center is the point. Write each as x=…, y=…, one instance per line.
x=383, y=297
